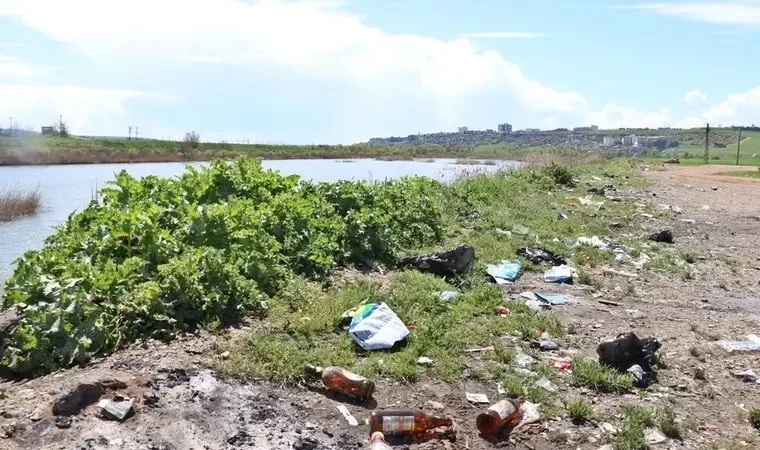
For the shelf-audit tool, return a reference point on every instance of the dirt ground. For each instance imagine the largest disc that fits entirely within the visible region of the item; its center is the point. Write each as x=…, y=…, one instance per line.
x=181, y=404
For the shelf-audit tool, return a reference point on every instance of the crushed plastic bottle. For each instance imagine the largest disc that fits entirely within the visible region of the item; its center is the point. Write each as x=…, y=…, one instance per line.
x=377, y=442
x=341, y=380
x=409, y=422
x=505, y=413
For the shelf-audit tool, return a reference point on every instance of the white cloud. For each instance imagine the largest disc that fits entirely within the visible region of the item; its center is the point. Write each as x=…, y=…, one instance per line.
x=737, y=109
x=314, y=39
x=695, y=98
x=12, y=67
x=86, y=110
x=615, y=116
x=504, y=35
x=730, y=12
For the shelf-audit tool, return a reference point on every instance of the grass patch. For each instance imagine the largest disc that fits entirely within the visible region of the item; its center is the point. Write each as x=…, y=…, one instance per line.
x=17, y=203
x=666, y=421
x=754, y=418
x=580, y=411
x=631, y=435
x=593, y=375
x=744, y=174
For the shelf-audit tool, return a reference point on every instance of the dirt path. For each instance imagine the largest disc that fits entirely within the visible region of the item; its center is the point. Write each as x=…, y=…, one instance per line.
x=181, y=405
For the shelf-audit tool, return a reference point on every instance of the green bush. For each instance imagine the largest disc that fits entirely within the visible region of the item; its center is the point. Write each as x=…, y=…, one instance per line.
x=561, y=174
x=156, y=257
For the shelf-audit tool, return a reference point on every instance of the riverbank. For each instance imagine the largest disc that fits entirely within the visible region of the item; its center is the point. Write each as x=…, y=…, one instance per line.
x=254, y=393
x=47, y=150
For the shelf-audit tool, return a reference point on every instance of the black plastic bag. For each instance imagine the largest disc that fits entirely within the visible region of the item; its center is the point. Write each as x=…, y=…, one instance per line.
x=541, y=256
x=454, y=262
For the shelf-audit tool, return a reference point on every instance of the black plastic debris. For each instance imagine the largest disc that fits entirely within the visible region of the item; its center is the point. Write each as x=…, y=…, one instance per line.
x=601, y=190
x=541, y=256
x=454, y=262
x=628, y=353
x=662, y=236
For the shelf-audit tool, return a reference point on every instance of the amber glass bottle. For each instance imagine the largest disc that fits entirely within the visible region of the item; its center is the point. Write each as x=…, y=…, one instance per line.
x=506, y=412
x=405, y=421
x=341, y=380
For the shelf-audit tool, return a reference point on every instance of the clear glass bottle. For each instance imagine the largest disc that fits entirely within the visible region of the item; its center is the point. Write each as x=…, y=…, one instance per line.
x=410, y=422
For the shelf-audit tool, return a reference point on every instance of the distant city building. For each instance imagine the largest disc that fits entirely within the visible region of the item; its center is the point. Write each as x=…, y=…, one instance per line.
x=589, y=128
x=609, y=141
x=504, y=128
x=463, y=129
x=630, y=140
x=47, y=130
x=532, y=130
x=489, y=130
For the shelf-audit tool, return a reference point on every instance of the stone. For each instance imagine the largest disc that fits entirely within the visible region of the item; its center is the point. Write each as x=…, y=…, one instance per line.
x=62, y=421
x=73, y=399
x=653, y=436
x=435, y=405
x=225, y=355
x=608, y=428
x=7, y=430
x=425, y=361
x=306, y=443
x=113, y=409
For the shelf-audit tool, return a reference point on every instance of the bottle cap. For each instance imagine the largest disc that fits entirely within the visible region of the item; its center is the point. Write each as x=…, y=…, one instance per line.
x=377, y=436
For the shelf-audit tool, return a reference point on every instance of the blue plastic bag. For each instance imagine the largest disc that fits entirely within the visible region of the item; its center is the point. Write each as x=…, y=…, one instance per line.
x=504, y=272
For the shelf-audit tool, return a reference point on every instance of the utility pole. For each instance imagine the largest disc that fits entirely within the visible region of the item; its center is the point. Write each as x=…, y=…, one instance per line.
x=130, y=133
x=60, y=123
x=10, y=126
x=137, y=132
x=738, y=146
x=707, y=143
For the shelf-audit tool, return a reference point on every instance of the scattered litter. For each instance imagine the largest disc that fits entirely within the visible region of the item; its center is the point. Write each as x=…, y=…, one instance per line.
x=608, y=302
x=601, y=190
x=552, y=299
x=375, y=326
x=523, y=360
x=529, y=295
x=688, y=220
x=115, y=409
x=748, y=376
x=662, y=236
x=479, y=349
x=530, y=414
x=562, y=364
x=541, y=256
x=752, y=344
x=504, y=232
x=593, y=241
x=587, y=201
x=425, y=361
x=646, y=215
x=503, y=311
x=450, y=263
x=672, y=208
x=536, y=306
x=448, y=295
x=504, y=272
x=545, y=344
x=619, y=272
x=561, y=216
x=347, y=414
x=545, y=383
x=524, y=371
x=653, y=436
x=477, y=398
x=706, y=207
x=559, y=274
x=628, y=351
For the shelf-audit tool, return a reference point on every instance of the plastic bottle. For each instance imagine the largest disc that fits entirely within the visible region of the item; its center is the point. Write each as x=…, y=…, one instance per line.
x=405, y=421
x=506, y=412
x=341, y=380
x=377, y=442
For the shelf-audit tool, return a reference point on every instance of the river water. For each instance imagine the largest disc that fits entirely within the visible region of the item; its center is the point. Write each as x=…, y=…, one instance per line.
x=66, y=188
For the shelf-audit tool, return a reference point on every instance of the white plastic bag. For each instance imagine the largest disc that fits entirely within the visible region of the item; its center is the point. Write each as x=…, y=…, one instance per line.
x=375, y=327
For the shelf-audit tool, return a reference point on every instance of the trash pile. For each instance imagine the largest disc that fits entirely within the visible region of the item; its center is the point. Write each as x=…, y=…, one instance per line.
x=628, y=353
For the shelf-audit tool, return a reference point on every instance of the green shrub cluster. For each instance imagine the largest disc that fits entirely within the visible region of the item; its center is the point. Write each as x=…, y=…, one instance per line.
x=159, y=256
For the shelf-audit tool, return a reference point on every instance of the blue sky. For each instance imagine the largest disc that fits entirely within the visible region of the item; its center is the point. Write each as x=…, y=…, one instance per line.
x=342, y=71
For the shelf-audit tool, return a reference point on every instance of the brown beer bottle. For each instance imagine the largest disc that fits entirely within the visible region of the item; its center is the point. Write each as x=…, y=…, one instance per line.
x=405, y=421
x=341, y=380
x=506, y=412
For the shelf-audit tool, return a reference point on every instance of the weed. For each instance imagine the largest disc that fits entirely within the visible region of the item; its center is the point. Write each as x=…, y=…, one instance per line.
x=561, y=174
x=15, y=204
x=754, y=418
x=631, y=434
x=590, y=373
x=689, y=258
x=666, y=420
x=580, y=411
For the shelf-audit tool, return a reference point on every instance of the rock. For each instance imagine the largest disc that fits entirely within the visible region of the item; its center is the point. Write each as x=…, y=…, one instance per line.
x=653, y=436
x=113, y=409
x=150, y=398
x=608, y=428
x=605, y=447
x=306, y=443
x=7, y=430
x=225, y=355
x=546, y=384
x=435, y=405
x=425, y=361
x=72, y=400
x=62, y=421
